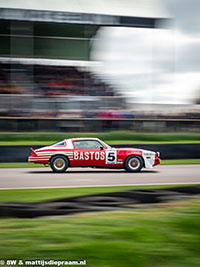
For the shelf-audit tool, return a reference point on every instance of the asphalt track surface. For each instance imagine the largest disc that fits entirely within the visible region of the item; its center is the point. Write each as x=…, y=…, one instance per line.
x=16, y=178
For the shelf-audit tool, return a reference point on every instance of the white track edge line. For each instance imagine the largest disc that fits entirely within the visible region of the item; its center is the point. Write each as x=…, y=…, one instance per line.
x=82, y=186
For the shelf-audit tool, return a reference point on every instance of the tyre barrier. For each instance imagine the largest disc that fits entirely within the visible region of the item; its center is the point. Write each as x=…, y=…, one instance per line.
x=96, y=202
x=185, y=189
x=20, y=153
x=108, y=201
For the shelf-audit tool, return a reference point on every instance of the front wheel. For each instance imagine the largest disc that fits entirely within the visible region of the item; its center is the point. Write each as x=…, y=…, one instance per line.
x=133, y=164
x=59, y=164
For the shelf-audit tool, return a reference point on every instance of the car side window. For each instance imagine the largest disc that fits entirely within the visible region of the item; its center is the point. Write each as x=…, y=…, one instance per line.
x=89, y=144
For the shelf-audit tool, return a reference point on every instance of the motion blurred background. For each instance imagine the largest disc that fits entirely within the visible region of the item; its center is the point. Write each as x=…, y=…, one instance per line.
x=110, y=65
x=126, y=72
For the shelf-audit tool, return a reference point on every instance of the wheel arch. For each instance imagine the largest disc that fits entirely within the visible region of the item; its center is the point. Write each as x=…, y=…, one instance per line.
x=55, y=155
x=139, y=156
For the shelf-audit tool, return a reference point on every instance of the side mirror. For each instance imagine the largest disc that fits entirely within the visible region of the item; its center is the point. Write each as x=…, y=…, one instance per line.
x=101, y=148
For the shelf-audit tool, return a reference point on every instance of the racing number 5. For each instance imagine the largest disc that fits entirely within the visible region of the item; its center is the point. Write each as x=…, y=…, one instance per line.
x=111, y=156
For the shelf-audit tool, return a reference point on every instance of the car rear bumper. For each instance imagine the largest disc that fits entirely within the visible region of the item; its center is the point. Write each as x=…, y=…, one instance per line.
x=37, y=160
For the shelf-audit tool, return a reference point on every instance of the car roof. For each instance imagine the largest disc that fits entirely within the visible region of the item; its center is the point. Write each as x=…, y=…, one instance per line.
x=83, y=138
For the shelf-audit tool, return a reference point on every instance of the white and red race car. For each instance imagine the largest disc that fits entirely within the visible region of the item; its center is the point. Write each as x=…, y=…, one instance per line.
x=92, y=152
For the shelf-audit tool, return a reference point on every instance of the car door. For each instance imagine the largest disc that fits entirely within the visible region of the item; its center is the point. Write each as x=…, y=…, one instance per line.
x=81, y=155
x=89, y=153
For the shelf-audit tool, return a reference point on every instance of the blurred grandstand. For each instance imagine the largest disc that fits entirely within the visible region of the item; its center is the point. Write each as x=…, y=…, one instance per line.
x=34, y=36
x=45, y=66
x=41, y=90
x=68, y=91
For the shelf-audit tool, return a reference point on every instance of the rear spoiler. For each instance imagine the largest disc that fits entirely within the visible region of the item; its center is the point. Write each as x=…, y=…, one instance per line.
x=33, y=151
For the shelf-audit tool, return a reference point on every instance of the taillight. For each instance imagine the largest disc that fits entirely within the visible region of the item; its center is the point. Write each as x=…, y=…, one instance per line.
x=33, y=153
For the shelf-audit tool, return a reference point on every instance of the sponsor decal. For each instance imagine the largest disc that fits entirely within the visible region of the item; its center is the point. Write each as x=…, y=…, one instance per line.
x=149, y=158
x=89, y=155
x=146, y=154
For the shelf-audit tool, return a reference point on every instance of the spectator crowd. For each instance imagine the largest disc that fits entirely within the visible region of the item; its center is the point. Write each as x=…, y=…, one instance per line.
x=50, y=81
x=46, y=91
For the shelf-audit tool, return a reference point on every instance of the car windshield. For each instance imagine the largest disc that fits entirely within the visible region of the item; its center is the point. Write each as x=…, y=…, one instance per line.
x=107, y=146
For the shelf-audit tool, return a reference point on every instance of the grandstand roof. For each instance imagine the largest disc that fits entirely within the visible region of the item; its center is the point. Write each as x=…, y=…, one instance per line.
x=112, y=12
x=138, y=8
x=63, y=29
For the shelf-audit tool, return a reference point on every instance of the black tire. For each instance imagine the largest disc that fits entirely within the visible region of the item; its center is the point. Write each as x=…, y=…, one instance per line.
x=59, y=163
x=133, y=164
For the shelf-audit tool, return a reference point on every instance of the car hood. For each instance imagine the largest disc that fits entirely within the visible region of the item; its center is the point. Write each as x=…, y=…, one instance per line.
x=134, y=149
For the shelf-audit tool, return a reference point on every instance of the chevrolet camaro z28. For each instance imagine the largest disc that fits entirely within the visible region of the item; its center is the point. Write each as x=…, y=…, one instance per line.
x=92, y=152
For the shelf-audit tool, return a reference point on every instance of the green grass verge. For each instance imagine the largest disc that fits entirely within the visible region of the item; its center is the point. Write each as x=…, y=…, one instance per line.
x=53, y=193
x=180, y=161
x=32, y=165
x=164, y=236
x=41, y=138
x=20, y=165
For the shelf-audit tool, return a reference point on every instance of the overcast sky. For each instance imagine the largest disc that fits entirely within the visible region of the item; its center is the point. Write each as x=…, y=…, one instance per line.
x=155, y=65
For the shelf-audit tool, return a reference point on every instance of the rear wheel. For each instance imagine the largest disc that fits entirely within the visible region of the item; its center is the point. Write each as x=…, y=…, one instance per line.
x=133, y=164
x=59, y=164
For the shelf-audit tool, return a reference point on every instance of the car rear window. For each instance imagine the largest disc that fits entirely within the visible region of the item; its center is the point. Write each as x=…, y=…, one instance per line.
x=61, y=143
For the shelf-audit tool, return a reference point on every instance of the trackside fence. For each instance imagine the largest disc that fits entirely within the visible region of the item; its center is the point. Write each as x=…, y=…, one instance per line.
x=168, y=151
x=19, y=124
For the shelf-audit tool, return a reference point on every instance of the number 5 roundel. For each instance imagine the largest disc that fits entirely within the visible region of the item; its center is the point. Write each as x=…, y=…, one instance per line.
x=111, y=156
